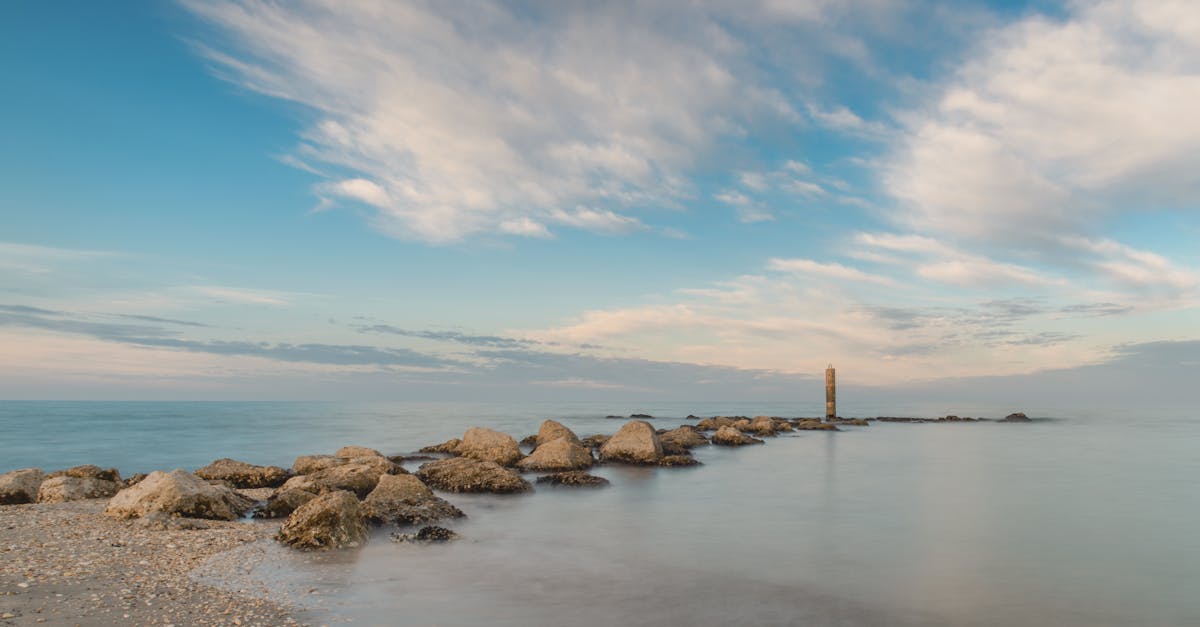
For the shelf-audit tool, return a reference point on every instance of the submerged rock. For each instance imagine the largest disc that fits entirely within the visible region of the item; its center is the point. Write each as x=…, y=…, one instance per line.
x=332, y=520
x=574, y=478
x=635, y=443
x=729, y=436
x=815, y=425
x=20, y=486
x=678, y=460
x=552, y=430
x=178, y=493
x=558, y=455
x=426, y=535
x=283, y=503
x=67, y=488
x=641, y=416
x=243, y=475
x=404, y=499
x=490, y=446
x=465, y=474
x=1017, y=417
x=449, y=447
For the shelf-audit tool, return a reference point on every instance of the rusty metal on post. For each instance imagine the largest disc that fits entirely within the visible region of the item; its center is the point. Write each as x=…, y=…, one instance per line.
x=830, y=393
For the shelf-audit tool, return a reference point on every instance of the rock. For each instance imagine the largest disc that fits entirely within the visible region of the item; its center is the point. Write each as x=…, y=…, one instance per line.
x=332, y=520
x=678, y=460
x=90, y=471
x=359, y=475
x=635, y=443
x=685, y=436
x=426, y=535
x=404, y=499
x=574, y=478
x=490, y=446
x=815, y=425
x=20, y=486
x=761, y=425
x=595, y=441
x=783, y=426
x=729, y=436
x=67, y=488
x=1017, y=417
x=854, y=422
x=691, y=417
x=308, y=464
x=135, y=479
x=712, y=424
x=529, y=441
x=465, y=474
x=552, y=430
x=558, y=455
x=178, y=493
x=165, y=522
x=615, y=417
x=350, y=452
x=449, y=447
x=283, y=503
x=243, y=475
x=671, y=448
x=641, y=416
x=741, y=425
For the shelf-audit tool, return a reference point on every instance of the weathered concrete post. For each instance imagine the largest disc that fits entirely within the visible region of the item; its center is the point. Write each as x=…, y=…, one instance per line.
x=830, y=393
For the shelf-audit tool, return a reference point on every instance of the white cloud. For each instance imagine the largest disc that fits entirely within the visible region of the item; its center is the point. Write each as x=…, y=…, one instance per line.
x=35, y=259
x=807, y=268
x=240, y=295
x=1054, y=125
x=938, y=261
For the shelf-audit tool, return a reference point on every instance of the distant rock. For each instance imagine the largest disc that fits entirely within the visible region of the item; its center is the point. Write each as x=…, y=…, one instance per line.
x=330, y=521
x=714, y=423
x=359, y=475
x=684, y=436
x=692, y=417
x=552, y=430
x=20, y=486
x=762, y=426
x=741, y=424
x=815, y=425
x=490, y=446
x=178, y=493
x=350, y=452
x=308, y=464
x=283, y=503
x=641, y=417
x=449, y=447
x=404, y=499
x=729, y=436
x=465, y=474
x=678, y=460
x=88, y=471
x=574, y=479
x=67, y=488
x=635, y=443
x=1016, y=417
x=595, y=441
x=243, y=475
x=615, y=417
x=558, y=455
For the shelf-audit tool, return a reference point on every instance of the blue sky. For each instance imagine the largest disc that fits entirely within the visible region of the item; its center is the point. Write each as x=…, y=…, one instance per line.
x=586, y=200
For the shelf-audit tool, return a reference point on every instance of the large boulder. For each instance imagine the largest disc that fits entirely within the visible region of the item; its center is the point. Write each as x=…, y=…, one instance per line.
x=685, y=437
x=729, y=436
x=449, y=447
x=283, y=503
x=243, y=475
x=635, y=443
x=465, y=474
x=330, y=521
x=67, y=488
x=558, y=455
x=761, y=425
x=178, y=493
x=308, y=464
x=490, y=446
x=552, y=430
x=359, y=475
x=20, y=486
x=404, y=499
x=350, y=452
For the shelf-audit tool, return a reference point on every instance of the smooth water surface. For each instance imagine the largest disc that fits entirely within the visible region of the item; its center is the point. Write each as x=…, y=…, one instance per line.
x=1077, y=519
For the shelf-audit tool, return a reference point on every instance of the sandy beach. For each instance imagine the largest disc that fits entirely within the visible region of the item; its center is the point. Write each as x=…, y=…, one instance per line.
x=67, y=564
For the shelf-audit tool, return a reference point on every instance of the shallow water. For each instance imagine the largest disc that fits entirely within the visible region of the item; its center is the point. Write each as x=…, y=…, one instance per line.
x=1080, y=519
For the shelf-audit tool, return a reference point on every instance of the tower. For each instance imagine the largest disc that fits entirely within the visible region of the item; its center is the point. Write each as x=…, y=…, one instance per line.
x=830, y=393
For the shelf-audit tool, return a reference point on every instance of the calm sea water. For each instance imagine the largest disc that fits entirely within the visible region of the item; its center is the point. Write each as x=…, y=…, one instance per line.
x=1080, y=518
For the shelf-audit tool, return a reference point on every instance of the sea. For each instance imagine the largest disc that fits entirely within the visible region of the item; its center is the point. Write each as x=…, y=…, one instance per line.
x=1082, y=517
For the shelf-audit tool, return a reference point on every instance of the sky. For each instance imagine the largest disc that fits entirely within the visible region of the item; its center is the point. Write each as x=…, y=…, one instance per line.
x=235, y=199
